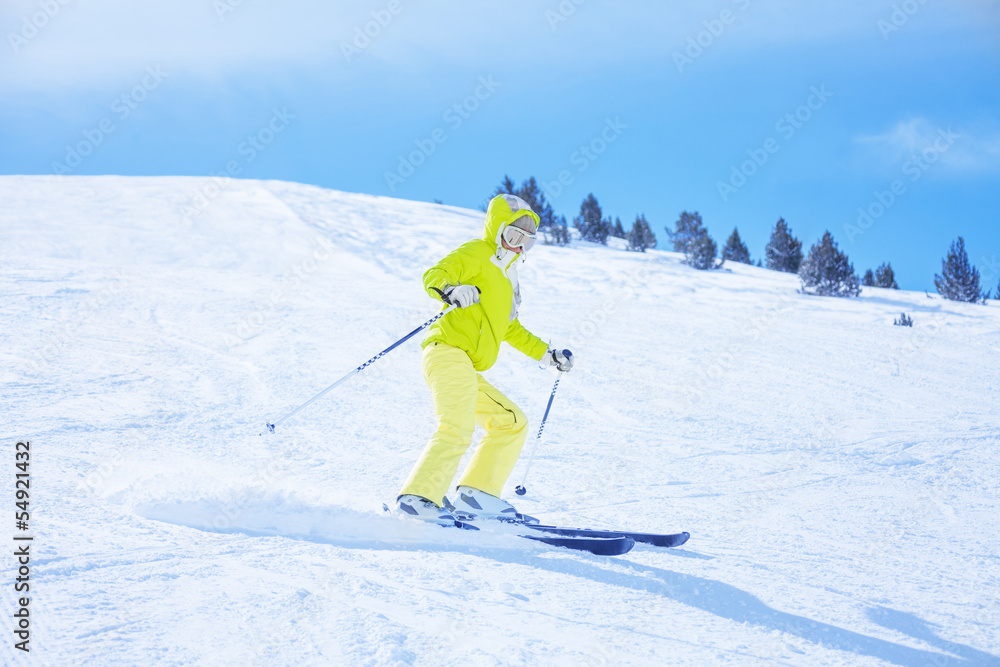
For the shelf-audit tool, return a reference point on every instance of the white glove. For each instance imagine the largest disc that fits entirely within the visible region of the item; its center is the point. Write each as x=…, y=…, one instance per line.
x=561, y=359
x=461, y=295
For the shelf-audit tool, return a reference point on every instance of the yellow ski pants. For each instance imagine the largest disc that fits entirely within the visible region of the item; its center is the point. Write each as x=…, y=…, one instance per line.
x=463, y=400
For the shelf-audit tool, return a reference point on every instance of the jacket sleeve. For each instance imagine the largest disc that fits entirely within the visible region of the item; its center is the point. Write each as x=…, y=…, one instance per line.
x=525, y=341
x=455, y=268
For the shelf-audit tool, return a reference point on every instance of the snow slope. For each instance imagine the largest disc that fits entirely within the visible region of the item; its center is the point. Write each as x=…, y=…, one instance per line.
x=839, y=475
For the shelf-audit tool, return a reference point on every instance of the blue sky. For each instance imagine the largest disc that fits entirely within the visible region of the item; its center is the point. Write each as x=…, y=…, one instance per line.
x=744, y=110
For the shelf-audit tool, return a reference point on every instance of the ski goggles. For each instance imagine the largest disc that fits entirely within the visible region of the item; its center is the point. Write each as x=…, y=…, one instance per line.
x=517, y=237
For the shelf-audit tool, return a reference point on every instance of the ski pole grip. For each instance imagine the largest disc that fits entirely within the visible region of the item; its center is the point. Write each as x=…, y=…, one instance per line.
x=444, y=297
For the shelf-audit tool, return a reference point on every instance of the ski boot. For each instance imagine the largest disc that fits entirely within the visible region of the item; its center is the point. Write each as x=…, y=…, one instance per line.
x=482, y=505
x=418, y=507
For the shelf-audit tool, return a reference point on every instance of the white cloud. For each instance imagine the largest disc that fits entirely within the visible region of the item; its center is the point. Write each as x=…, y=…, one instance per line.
x=968, y=148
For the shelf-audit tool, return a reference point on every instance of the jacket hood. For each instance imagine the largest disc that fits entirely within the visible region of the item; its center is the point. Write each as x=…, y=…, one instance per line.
x=503, y=210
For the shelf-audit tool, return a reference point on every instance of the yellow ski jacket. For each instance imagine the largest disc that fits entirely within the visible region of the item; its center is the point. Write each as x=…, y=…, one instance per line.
x=486, y=264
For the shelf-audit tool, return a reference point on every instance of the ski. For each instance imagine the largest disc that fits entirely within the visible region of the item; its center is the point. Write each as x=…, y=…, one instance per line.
x=595, y=541
x=654, y=539
x=600, y=545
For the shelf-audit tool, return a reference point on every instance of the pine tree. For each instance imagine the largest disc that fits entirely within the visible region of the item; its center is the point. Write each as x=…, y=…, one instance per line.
x=701, y=252
x=688, y=228
x=557, y=234
x=827, y=271
x=784, y=251
x=869, y=279
x=885, y=277
x=959, y=281
x=532, y=195
x=590, y=215
x=506, y=187
x=561, y=231
x=535, y=198
x=617, y=230
x=640, y=237
x=593, y=227
x=735, y=250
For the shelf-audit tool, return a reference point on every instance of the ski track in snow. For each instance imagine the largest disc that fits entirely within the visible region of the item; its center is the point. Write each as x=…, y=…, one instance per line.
x=839, y=475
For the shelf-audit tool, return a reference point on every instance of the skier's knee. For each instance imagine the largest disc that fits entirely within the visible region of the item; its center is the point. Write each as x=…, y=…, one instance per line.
x=512, y=420
x=520, y=422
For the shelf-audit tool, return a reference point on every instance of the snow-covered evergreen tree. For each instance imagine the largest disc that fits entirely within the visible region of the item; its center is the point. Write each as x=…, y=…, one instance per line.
x=532, y=195
x=506, y=187
x=735, y=249
x=885, y=277
x=783, y=251
x=688, y=228
x=535, y=198
x=592, y=226
x=617, y=230
x=561, y=231
x=557, y=234
x=701, y=252
x=827, y=271
x=869, y=279
x=959, y=281
x=640, y=237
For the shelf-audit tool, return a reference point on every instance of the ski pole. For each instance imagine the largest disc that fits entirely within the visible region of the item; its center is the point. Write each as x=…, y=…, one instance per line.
x=270, y=426
x=519, y=489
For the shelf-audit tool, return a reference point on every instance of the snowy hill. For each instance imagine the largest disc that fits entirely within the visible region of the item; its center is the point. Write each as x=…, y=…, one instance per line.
x=839, y=474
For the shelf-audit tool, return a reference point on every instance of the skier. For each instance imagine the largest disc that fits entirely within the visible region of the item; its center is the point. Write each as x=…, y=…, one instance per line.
x=480, y=277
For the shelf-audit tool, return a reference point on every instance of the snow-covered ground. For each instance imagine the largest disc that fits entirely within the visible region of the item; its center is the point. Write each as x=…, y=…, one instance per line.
x=839, y=474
